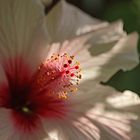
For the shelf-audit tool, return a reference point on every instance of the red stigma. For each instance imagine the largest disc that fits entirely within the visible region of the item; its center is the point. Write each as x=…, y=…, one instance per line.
x=65, y=65
x=69, y=61
x=67, y=72
x=72, y=75
x=76, y=67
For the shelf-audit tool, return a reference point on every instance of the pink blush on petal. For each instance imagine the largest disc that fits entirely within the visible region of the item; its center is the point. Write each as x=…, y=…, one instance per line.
x=25, y=98
x=25, y=123
x=50, y=107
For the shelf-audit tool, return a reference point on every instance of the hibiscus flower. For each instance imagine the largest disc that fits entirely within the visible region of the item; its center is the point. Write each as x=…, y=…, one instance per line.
x=51, y=68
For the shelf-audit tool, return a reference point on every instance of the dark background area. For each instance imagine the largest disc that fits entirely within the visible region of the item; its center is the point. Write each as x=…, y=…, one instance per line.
x=111, y=10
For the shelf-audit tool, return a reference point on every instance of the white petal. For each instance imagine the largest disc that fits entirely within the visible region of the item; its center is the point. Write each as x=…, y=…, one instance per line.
x=21, y=29
x=65, y=21
x=112, y=125
x=109, y=46
x=89, y=94
x=8, y=130
x=126, y=99
x=95, y=102
x=94, y=117
x=123, y=56
x=102, y=37
x=68, y=130
x=95, y=40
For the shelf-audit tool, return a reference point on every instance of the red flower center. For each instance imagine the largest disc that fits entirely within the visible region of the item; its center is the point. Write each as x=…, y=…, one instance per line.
x=40, y=95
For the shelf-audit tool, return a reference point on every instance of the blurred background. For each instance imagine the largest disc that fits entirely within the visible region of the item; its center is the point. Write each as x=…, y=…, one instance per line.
x=111, y=10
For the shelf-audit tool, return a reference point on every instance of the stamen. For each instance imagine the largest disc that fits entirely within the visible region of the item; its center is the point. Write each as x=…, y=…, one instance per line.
x=59, y=75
